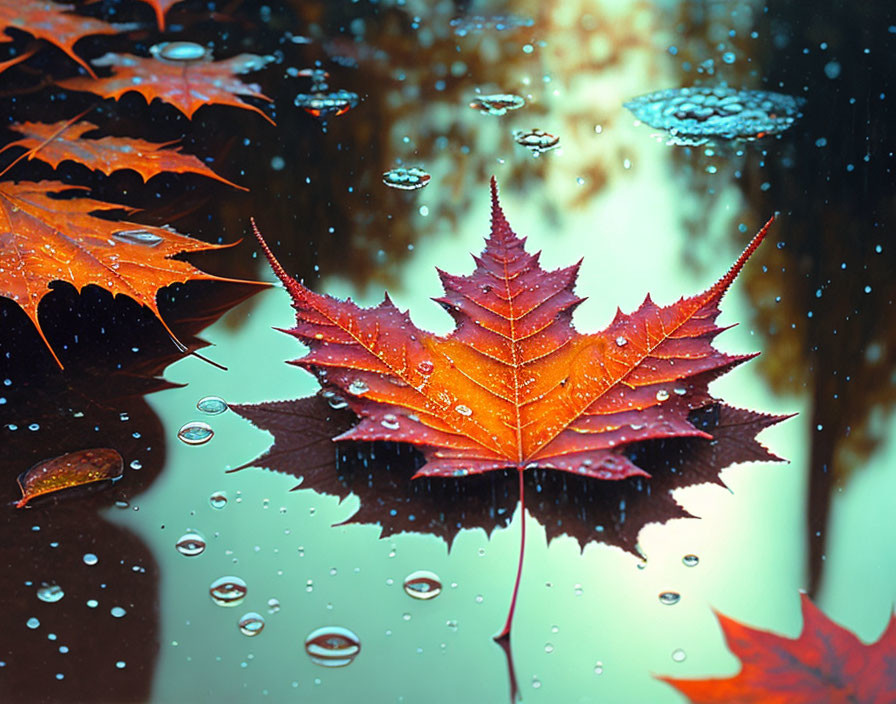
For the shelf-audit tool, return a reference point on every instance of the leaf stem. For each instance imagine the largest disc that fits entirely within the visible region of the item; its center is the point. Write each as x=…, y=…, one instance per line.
x=505, y=632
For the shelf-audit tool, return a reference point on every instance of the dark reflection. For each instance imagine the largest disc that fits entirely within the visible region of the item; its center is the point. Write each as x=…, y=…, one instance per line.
x=114, y=352
x=831, y=335
x=588, y=510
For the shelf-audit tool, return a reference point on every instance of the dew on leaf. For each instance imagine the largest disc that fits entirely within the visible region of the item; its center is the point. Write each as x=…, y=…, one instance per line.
x=195, y=433
x=70, y=470
x=332, y=646
x=358, y=387
x=390, y=422
x=228, y=591
x=141, y=237
x=464, y=410
x=662, y=395
x=179, y=52
x=621, y=341
x=423, y=584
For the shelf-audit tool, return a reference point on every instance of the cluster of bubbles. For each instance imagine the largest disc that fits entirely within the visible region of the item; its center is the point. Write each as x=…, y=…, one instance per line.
x=408, y=178
x=475, y=24
x=321, y=102
x=700, y=114
x=198, y=432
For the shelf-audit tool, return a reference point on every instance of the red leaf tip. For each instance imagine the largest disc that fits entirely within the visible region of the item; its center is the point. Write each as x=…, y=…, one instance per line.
x=722, y=285
x=500, y=227
x=294, y=288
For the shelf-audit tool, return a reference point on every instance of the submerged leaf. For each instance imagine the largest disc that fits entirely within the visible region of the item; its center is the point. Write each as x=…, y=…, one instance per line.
x=186, y=85
x=59, y=141
x=69, y=470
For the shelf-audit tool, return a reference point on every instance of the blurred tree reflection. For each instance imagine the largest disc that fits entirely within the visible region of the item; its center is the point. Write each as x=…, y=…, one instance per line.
x=831, y=334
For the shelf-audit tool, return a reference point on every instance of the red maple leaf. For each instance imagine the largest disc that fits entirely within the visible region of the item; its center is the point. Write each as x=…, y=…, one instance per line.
x=825, y=664
x=54, y=23
x=64, y=141
x=185, y=85
x=515, y=385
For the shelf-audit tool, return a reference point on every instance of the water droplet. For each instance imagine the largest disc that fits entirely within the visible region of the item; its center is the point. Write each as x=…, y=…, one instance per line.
x=598, y=668
x=117, y=612
x=464, y=410
x=690, y=560
x=32, y=623
x=90, y=559
x=536, y=141
x=195, y=433
x=50, y=593
x=190, y=544
x=121, y=664
x=218, y=499
x=406, y=178
x=213, y=405
x=136, y=465
x=425, y=367
x=141, y=237
x=423, y=584
x=549, y=647
x=390, y=422
x=662, y=395
x=336, y=402
x=358, y=387
x=273, y=605
x=497, y=104
x=577, y=590
x=678, y=655
x=228, y=591
x=251, y=624
x=669, y=598
x=179, y=52
x=325, y=105
x=621, y=341
x=332, y=646
x=536, y=683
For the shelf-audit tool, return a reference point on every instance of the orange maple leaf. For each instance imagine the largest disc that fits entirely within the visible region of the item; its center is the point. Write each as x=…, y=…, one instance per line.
x=45, y=239
x=160, y=7
x=54, y=23
x=63, y=141
x=515, y=385
x=185, y=85
x=826, y=663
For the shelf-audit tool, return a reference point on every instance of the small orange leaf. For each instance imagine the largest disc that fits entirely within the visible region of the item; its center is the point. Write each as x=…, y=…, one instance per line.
x=69, y=470
x=57, y=142
x=54, y=23
x=187, y=86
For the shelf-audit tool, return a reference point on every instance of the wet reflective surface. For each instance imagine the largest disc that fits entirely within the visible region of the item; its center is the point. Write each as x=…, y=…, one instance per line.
x=109, y=590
